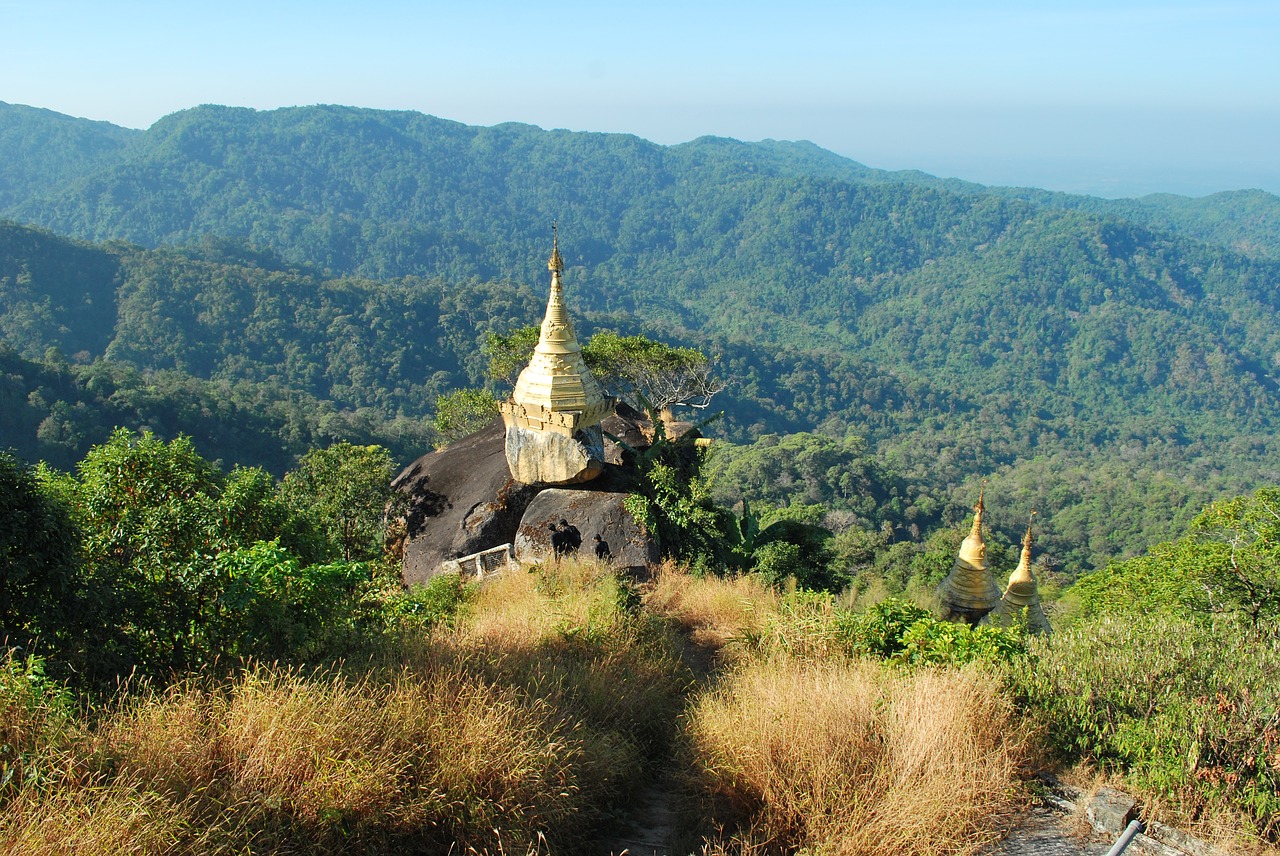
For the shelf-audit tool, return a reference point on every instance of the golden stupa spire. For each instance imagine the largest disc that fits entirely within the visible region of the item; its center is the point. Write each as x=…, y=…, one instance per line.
x=555, y=264
x=557, y=336
x=1022, y=595
x=1022, y=585
x=556, y=391
x=978, y=509
x=969, y=592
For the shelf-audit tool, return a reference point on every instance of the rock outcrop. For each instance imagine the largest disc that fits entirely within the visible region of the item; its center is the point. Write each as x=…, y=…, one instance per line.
x=461, y=500
x=593, y=512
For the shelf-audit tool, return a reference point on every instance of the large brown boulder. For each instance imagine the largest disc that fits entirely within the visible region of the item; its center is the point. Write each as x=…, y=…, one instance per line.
x=593, y=512
x=462, y=500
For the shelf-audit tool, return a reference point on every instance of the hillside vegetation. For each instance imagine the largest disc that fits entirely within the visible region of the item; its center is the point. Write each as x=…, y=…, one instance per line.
x=1109, y=362
x=145, y=593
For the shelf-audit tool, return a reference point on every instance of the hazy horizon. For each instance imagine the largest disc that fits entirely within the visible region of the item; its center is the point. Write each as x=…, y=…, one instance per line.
x=1112, y=99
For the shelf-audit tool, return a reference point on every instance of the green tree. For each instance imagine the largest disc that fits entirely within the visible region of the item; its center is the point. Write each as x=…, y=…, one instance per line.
x=509, y=353
x=155, y=516
x=346, y=491
x=637, y=370
x=1228, y=562
x=42, y=595
x=463, y=412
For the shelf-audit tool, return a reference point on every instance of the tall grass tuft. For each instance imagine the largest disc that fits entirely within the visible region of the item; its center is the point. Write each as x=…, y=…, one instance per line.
x=847, y=757
x=728, y=615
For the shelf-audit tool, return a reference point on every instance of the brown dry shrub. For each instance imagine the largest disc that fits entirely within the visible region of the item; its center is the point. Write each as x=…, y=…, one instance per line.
x=849, y=758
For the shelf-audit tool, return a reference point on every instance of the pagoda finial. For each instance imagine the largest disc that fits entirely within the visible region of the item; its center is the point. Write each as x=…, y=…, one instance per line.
x=978, y=509
x=1026, y=539
x=555, y=264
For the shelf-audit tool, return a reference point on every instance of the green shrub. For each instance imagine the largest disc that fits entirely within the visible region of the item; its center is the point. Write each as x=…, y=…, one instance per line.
x=33, y=709
x=1187, y=709
x=945, y=643
x=424, y=605
x=880, y=629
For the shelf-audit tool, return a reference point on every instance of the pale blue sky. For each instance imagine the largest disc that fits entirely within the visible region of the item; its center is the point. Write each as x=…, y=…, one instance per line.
x=1112, y=97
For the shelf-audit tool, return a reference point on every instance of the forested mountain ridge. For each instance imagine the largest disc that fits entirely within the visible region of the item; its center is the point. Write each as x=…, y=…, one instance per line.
x=289, y=178
x=41, y=149
x=1079, y=358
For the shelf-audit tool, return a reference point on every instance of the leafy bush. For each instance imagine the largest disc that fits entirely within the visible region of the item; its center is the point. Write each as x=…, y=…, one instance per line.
x=880, y=629
x=271, y=606
x=41, y=584
x=945, y=643
x=33, y=709
x=1187, y=709
x=424, y=605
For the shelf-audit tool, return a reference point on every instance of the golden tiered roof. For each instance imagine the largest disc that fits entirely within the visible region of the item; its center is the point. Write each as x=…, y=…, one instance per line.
x=970, y=589
x=1022, y=593
x=556, y=391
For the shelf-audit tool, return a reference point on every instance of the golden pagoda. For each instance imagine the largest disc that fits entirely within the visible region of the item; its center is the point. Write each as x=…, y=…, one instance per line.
x=1022, y=595
x=970, y=592
x=555, y=397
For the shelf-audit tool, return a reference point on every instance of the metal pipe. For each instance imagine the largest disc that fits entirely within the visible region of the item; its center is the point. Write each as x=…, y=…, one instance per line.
x=1126, y=838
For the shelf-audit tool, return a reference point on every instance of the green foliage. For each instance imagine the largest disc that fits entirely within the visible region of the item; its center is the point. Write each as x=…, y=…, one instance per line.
x=509, y=353
x=644, y=372
x=272, y=607
x=788, y=546
x=42, y=594
x=463, y=412
x=347, y=490
x=1228, y=562
x=901, y=632
x=181, y=565
x=879, y=630
x=440, y=600
x=931, y=642
x=1185, y=708
x=33, y=709
x=672, y=502
x=154, y=516
x=1240, y=540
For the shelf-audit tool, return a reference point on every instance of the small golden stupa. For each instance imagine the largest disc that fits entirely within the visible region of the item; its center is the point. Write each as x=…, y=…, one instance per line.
x=970, y=592
x=1022, y=595
x=554, y=413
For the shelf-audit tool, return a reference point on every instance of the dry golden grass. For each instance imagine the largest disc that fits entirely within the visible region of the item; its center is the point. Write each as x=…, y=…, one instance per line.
x=279, y=759
x=846, y=757
x=513, y=732
x=728, y=614
x=115, y=819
